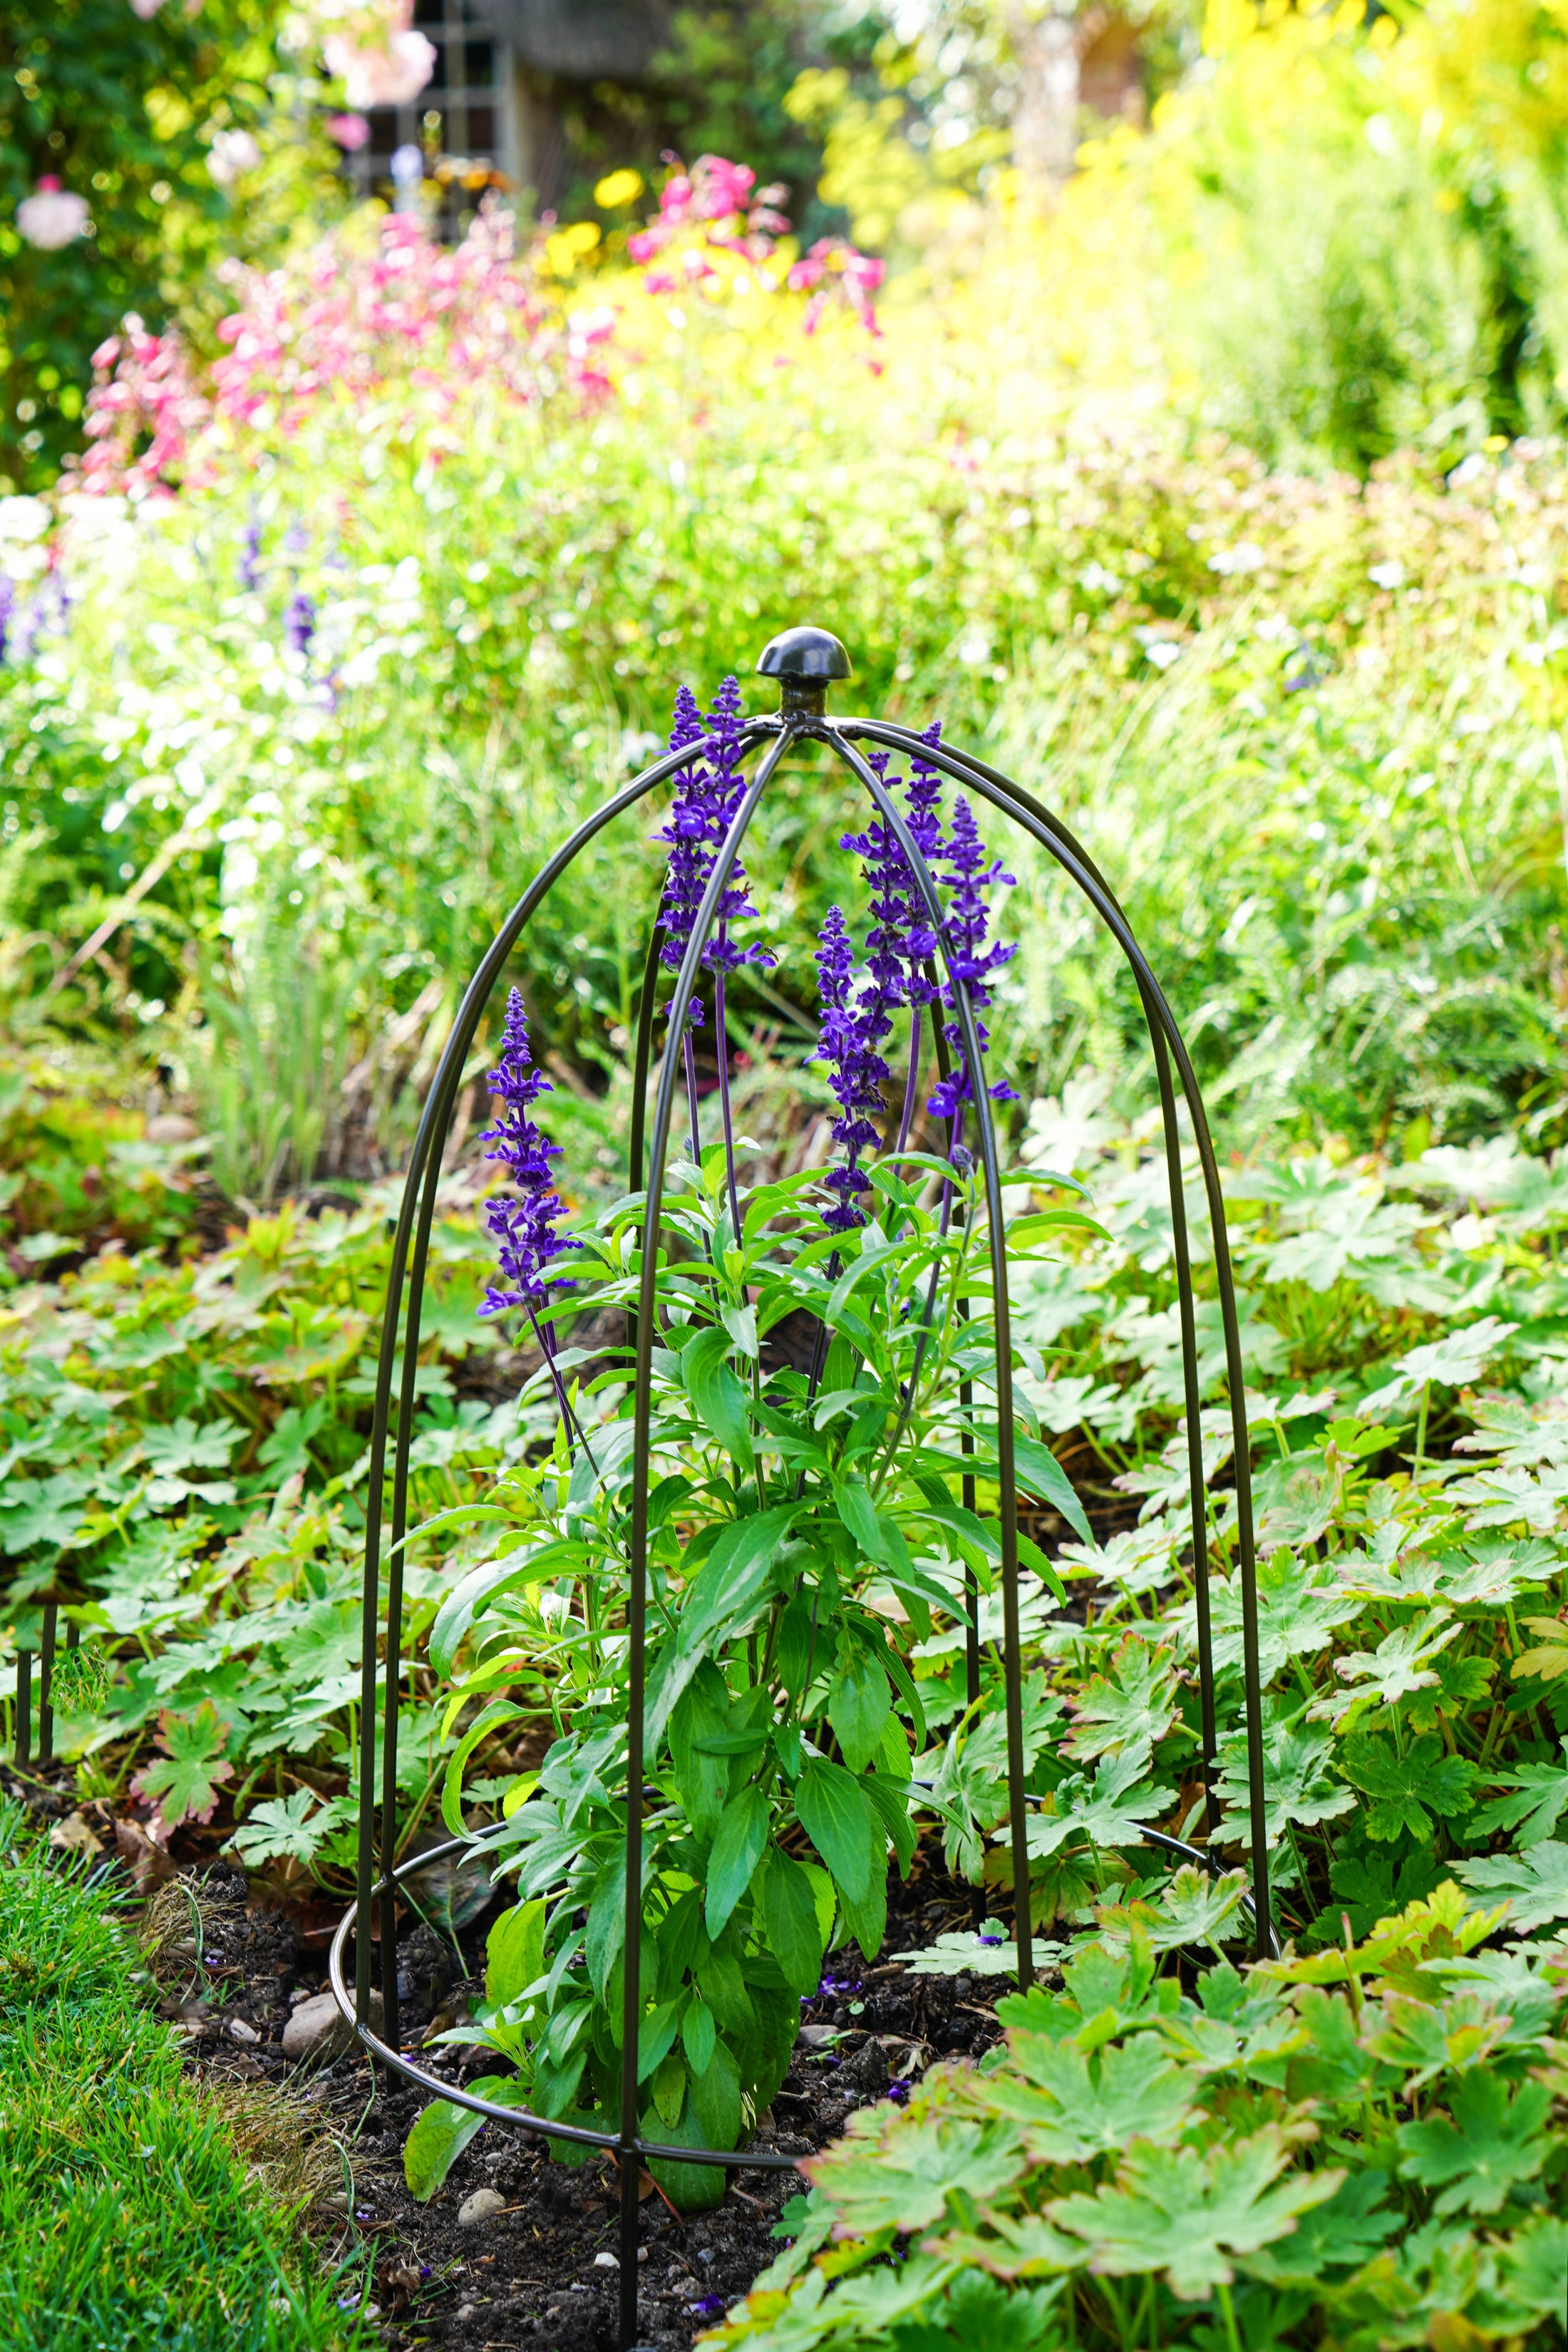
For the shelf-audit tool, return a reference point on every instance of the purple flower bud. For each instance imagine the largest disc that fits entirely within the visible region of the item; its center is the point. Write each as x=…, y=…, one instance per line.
x=250, y=558
x=707, y=794
x=967, y=922
x=524, y=1226
x=299, y=623
x=854, y=1023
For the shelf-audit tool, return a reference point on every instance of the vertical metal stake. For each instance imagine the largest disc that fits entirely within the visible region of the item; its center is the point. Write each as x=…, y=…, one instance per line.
x=24, y=1747
x=46, y=1687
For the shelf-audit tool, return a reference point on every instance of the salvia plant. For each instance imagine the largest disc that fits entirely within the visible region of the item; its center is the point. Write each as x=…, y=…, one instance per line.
x=823, y=1429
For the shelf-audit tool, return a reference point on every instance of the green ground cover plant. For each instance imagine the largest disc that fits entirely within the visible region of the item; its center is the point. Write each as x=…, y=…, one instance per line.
x=128, y=2220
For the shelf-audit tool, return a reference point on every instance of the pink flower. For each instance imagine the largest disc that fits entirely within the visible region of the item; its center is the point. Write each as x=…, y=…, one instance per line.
x=145, y=9
x=386, y=76
x=352, y=132
x=231, y=155
x=52, y=217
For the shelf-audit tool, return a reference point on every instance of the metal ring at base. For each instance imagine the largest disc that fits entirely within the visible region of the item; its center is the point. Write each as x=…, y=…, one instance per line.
x=581, y=2136
x=519, y=2119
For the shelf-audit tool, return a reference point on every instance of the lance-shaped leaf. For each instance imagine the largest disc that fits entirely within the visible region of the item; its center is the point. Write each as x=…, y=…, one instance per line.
x=1190, y=2213
x=443, y=2130
x=837, y=1819
x=1112, y=1810
x=738, y=1844
x=733, y=1577
x=717, y=1396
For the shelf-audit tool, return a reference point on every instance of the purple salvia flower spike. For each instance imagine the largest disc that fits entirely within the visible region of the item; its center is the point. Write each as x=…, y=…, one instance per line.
x=967, y=924
x=524, y=1226
x=299, y=623
x=854, y=1023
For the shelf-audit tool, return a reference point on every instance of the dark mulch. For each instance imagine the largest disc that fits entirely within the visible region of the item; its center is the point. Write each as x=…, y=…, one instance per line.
x=528, y=2274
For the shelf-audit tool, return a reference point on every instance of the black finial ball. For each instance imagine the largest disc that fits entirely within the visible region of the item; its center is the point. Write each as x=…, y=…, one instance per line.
x=803, y=660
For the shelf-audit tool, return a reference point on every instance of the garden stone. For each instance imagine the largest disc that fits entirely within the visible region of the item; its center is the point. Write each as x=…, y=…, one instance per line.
x=317, y=2028
x=480, y=2207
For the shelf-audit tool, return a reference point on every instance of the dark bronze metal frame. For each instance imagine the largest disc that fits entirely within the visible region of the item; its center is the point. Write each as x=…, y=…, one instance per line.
x=803, y=661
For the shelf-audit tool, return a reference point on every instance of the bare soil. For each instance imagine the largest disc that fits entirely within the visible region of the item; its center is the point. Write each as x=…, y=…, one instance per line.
x=231, y=1967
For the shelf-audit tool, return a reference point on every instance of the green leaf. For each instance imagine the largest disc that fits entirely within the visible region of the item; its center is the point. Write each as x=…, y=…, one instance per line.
x=1495, y=2142
x=514, y=1952
x=285, y=1828
x=867, y=1920
x=1402, y=1662
x=835, y=1818
x=187, y=1778
x=606, y=1924
x=1189, y=2212
x=738, y=1844
x=655, y=2035
x=858, y=1706
x=1040, y=1474
x=443, y=2131
x=439, y=2136
x=669, y=2088
x=878, y=1537
x=900, y=2174
x=733, y=1577
x=1534, y=1884
x=1340, y=2235
x=789, y=1916
x=716, y=1394
x=1073, y=2108
x=1537, y=1799
x=698, y=2031
x=716, y=2099
x=1406, y=1790
x=1113, y=1810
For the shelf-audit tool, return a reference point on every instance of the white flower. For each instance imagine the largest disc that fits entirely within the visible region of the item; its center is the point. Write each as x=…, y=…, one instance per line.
x=232, y=154
x=1387, y=575
x=1246, y=557
x=388, y=76
x=23, y=519
x=51, y=216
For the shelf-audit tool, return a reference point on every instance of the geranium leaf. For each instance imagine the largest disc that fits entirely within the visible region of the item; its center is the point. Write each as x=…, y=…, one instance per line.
x=1494, y=2143
x=1189, y=2213
x=1534, y=1884
x=1406, y=1789
x=186, y=1779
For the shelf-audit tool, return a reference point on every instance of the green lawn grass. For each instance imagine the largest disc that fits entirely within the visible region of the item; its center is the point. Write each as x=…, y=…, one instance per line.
x=127, y=2215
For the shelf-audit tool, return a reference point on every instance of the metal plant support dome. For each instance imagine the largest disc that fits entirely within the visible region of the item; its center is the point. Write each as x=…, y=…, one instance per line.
x=804, y=661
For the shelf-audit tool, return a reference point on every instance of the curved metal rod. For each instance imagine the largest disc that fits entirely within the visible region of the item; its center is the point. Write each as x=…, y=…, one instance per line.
x=636, y=1599
x=1054, y=838
x=518, y=2118
x=1197, y=1482
x=433, y=1122
x=1006, y=1474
